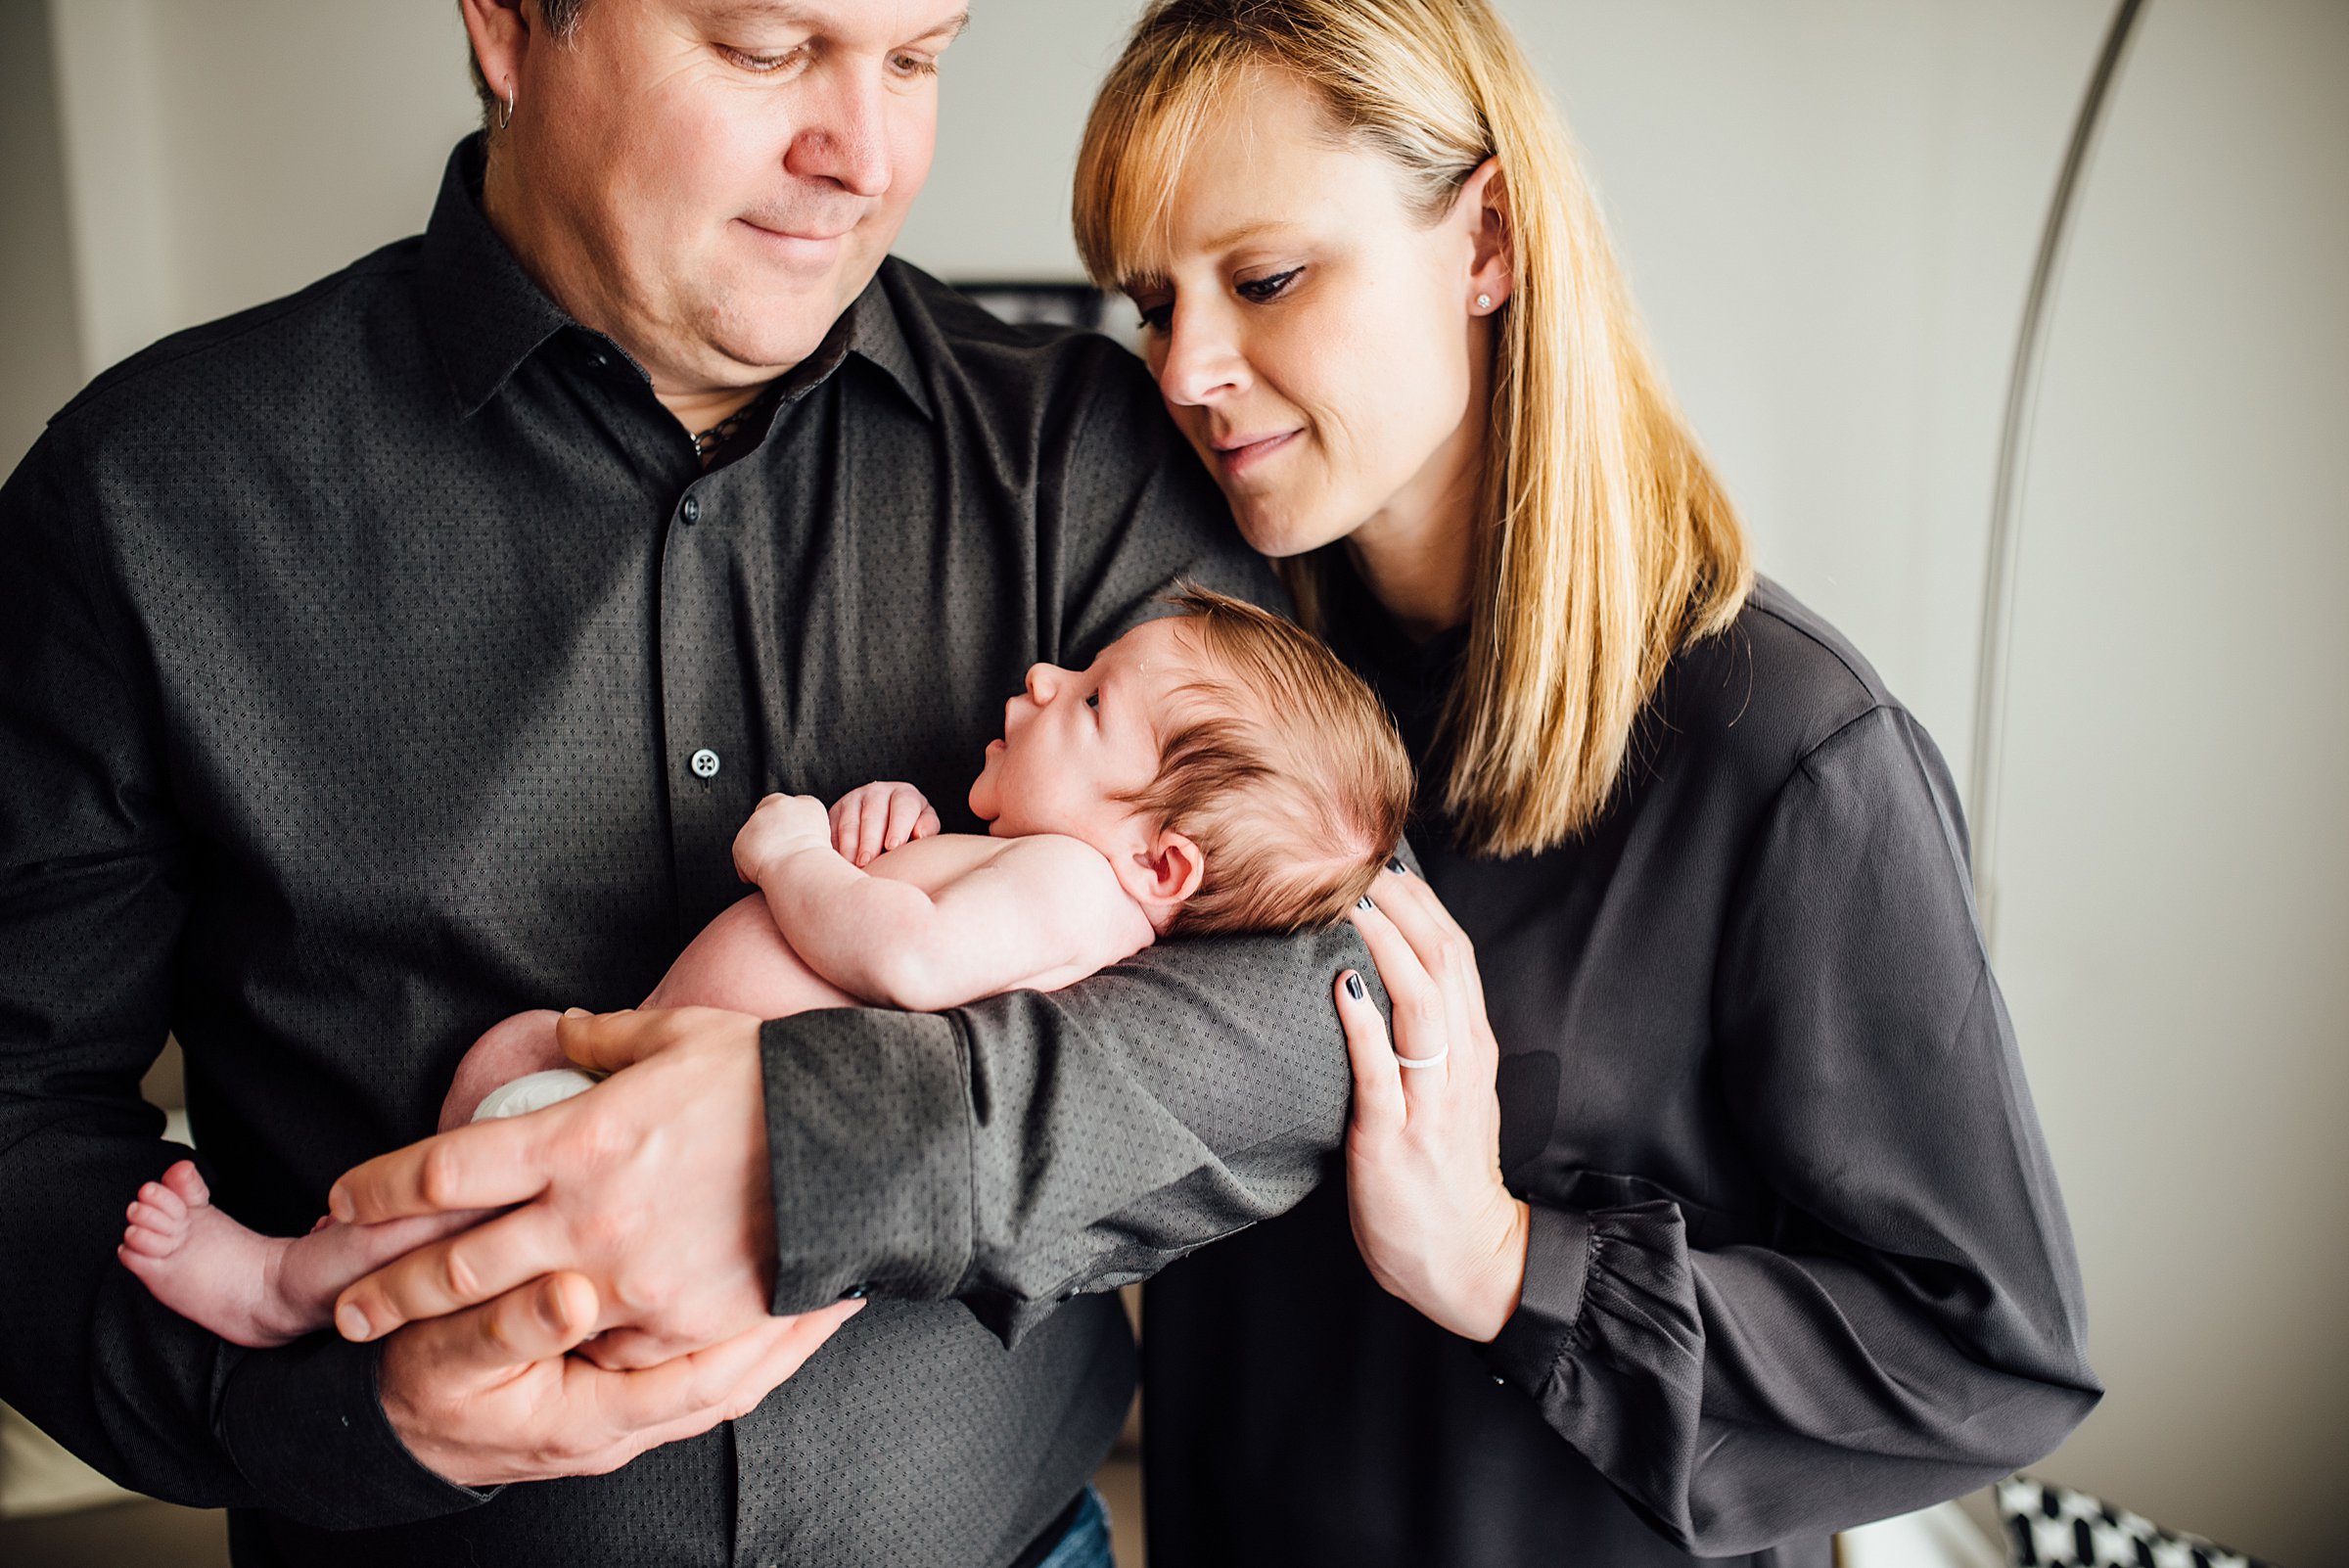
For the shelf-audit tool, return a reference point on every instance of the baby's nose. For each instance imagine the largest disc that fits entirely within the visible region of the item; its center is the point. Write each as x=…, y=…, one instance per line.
x=1042, y=681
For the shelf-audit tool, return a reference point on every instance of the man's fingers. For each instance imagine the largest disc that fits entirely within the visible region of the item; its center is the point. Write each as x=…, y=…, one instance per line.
x=727, y=1380
x=487, y=1165
x=609, y=1041
x=538, y=1323
x=1378, y=1103
x=463, y=1271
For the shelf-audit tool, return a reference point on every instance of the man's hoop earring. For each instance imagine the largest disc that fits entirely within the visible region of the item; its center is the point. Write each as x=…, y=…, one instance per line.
x=507, y=119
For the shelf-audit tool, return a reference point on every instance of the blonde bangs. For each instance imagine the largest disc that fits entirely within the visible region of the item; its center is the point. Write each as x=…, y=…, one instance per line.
x=1136, y=150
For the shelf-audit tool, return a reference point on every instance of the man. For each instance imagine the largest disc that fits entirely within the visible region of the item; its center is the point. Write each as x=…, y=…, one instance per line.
x=401, y=654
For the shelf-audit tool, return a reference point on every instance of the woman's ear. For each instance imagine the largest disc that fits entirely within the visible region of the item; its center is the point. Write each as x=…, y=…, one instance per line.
x=1171, y=869
x=1482, y=206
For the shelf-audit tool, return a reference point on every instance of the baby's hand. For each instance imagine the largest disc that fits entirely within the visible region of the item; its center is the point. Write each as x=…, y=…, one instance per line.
x=782, y=824
x=874, y=818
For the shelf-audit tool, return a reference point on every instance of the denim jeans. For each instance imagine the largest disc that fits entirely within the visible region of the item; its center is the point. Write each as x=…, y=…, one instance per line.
x=1086, y=1544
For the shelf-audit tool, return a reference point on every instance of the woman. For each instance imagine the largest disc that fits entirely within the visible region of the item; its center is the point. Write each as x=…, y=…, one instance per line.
x=1712, y=1217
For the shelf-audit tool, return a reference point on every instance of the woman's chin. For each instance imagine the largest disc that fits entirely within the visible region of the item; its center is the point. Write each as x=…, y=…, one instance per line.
x=1279, y=535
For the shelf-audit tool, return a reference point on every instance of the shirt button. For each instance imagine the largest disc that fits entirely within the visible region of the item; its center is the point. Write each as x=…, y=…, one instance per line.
x=1501, y=1382
x=692, y=510
x=703, y=763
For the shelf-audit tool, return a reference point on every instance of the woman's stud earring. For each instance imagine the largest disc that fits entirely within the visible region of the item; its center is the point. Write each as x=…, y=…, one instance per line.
x=1484, y=302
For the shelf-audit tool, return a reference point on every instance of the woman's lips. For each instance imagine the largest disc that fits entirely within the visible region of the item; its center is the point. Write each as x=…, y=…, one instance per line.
x=1239, y=458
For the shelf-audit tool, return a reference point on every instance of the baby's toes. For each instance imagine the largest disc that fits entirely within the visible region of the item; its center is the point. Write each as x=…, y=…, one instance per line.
x=151, y=1232
x=187, y=1181
x=162, y=1200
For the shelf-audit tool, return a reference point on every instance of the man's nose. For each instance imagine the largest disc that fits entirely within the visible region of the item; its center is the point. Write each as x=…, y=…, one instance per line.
x=1200, y=361
x=845, y=140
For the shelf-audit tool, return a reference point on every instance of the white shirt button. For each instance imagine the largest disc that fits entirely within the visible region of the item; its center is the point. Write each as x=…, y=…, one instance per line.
x=703, y=763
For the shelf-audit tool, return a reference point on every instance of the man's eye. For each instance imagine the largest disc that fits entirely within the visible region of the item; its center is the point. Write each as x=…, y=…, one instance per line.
x=1259, y=290
x=758, y=64
x=914, y=65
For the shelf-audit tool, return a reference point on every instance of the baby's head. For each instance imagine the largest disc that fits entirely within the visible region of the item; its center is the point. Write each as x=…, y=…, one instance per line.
x=1236, y=774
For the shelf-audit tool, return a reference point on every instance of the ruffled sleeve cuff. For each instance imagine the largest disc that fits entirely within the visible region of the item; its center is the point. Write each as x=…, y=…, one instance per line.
x=1612, y=1288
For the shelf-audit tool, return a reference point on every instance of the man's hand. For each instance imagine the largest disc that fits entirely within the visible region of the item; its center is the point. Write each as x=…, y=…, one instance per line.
x=487, y=1396
x=872, y=819
x=781, y=827
x=654, y=1184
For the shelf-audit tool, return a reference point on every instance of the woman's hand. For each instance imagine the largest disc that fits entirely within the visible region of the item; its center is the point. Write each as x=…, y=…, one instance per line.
x=1423, y=1184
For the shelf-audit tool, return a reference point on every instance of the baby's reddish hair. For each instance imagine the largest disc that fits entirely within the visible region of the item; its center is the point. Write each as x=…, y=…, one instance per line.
x=1286, y=771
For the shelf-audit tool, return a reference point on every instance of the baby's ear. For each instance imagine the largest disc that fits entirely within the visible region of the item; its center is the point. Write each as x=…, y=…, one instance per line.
x=1170, y=868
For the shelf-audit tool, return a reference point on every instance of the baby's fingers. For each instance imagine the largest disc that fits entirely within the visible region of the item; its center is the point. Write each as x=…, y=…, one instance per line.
x=847, y=815
x=907, y=811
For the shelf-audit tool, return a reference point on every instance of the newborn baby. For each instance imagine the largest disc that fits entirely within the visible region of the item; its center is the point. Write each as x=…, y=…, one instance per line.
x=1213, y=772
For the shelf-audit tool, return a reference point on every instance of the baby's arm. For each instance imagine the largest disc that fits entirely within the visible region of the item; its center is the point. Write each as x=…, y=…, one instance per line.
x=1039, y=914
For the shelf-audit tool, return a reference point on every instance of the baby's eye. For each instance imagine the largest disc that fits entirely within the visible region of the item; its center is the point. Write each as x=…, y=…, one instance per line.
x=1093, y=699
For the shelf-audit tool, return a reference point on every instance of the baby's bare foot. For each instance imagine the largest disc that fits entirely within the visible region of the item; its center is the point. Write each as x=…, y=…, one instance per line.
x=209, y=1268
x=253, y=1289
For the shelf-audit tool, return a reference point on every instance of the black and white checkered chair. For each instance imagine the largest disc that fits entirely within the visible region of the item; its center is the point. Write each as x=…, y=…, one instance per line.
x=2054, y=1527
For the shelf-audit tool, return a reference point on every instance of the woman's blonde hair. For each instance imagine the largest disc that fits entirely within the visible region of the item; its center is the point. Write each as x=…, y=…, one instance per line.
x=1604, y=543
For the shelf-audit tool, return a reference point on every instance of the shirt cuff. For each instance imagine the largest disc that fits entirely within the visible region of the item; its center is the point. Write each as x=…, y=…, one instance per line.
x=1558, y=1248
x=304, y=1425
x=868, y=1137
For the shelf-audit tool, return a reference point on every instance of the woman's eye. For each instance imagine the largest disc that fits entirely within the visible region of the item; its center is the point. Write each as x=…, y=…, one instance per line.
x=1156, y=317
x=1259, y=290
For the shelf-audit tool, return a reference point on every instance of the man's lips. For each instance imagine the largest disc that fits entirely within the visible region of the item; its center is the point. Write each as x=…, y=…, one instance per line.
x=1238, y=453
x=809, y=245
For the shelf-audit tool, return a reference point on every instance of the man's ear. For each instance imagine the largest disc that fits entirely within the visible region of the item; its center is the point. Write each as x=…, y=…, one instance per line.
x=502, y=33
x=1484, y=205
x=1170, y=868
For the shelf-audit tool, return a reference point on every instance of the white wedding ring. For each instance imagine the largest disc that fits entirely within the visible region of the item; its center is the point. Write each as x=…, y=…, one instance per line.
x=1402, y=1060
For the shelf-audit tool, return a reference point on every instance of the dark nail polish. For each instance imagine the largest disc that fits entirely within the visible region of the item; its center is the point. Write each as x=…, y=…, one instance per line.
x=1364, y=903
x=1395, y=866
x=1354, y=985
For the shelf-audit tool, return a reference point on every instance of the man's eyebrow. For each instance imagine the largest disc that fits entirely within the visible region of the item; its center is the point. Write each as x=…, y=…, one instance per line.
x=735, y=11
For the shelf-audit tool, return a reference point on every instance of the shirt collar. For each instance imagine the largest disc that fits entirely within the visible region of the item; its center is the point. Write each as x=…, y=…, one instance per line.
x=486, y=315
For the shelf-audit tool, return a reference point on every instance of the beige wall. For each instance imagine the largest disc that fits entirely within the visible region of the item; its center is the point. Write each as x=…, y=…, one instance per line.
x=2174, y=870
x=1828, y=208
x=36, y=255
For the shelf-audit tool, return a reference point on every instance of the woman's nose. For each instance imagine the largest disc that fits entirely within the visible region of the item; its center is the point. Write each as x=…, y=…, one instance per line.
x=1201, y=361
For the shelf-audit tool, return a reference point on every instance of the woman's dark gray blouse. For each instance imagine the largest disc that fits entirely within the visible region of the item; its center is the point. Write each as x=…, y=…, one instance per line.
x=1798, y=1259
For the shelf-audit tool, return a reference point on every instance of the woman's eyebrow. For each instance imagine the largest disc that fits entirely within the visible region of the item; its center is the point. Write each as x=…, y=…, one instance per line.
x=1240, y=233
